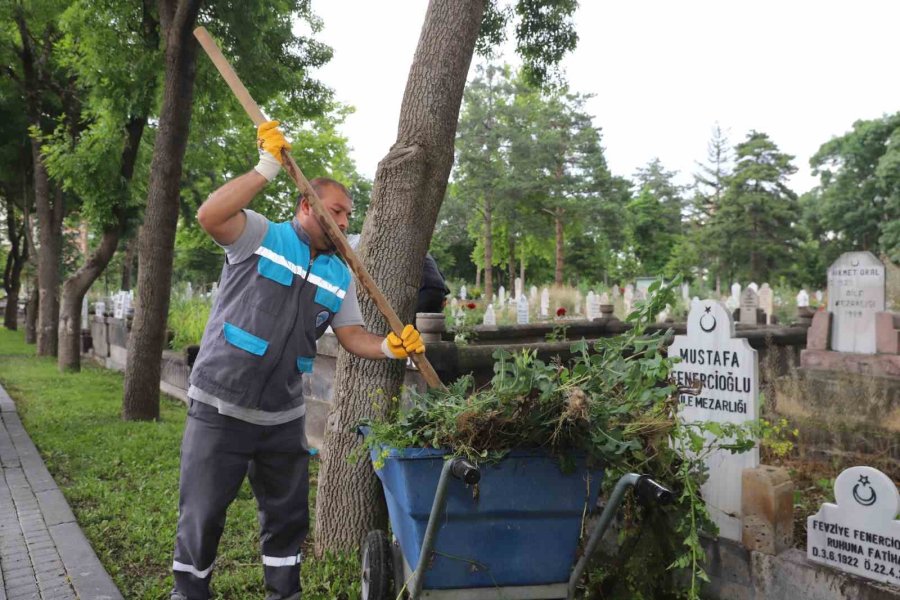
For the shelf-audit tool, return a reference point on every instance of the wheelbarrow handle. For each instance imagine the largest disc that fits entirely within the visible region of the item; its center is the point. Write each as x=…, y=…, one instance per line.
x=651, y=492
x=647, y=489
x=465, y=471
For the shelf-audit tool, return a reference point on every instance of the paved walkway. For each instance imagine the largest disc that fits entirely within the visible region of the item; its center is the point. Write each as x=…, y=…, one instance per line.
x=43, y=552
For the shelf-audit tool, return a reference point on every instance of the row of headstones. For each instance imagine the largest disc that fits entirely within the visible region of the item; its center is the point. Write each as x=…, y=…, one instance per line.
x=718, y=380
x=122, y=303
x=594, y=305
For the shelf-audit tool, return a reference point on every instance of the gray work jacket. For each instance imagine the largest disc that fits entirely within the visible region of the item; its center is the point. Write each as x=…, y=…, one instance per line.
x=260, y=339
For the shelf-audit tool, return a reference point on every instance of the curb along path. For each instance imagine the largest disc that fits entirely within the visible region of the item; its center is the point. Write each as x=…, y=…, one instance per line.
x=43, y=553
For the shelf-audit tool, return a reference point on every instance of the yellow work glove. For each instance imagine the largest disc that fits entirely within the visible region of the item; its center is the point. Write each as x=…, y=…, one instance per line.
x=409, y=342
x=271, y=142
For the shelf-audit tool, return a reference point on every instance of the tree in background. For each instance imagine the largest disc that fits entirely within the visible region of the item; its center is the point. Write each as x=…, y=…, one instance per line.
x=753, y=229
x=94, y=159
x=29, y=34
x=480, y=163
x=858, y=196
x=654, y=217
x=279, y=64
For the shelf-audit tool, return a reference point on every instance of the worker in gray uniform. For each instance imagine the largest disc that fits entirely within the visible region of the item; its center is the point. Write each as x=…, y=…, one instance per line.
x=281, y=286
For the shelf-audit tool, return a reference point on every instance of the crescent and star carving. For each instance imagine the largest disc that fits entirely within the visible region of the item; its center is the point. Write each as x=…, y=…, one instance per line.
x=707, y=314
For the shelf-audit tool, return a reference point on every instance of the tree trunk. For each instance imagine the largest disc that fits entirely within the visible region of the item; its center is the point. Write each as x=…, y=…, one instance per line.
x=15, y=262
x=157, y=237
x=128, y=263
x=49, y=213
x=74, y=290
x=49, y=216
x=488, y=253
x=409, y=187
x=81, y=281
x=31, y=312
x=558, y=274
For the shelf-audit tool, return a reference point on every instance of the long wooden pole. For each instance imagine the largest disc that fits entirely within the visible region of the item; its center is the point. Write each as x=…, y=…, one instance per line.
x=331, y=229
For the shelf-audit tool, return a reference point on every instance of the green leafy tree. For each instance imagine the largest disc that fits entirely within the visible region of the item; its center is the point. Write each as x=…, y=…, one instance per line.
x=754, y=229
x=859, y=190
x=654, y=217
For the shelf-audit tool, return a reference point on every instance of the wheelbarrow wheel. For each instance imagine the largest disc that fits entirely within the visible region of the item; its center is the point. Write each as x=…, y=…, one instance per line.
x=377, y=567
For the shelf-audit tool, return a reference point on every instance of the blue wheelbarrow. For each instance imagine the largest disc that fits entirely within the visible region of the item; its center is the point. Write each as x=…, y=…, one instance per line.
x=506, y=531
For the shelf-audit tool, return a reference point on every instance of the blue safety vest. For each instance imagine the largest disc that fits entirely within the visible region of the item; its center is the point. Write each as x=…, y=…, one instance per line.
x=260, y=339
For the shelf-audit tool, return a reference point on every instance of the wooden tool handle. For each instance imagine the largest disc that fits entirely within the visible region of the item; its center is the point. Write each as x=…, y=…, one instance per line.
x=331, y=229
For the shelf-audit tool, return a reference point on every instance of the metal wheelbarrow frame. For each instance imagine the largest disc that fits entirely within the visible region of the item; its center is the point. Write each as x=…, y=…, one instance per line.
x=384, y=567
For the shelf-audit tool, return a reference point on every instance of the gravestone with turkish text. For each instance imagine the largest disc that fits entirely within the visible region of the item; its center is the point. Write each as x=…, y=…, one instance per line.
x=860, y=534
x=856, y=287
x=749, y=304
x=726, y=370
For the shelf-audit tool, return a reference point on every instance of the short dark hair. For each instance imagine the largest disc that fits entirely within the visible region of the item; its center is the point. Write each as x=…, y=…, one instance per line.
x=320, y=183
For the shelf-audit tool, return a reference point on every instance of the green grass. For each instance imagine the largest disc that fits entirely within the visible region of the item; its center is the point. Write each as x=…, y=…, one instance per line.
x=121, y=479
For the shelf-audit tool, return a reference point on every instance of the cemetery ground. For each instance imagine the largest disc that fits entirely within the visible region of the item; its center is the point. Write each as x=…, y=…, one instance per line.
x=121, y=480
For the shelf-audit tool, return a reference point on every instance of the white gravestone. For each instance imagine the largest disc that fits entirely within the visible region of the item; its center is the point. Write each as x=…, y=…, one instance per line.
x=119, y=306
x=820, y=295
x=532, y=293
x=100, y=309
x=767, y=302
x=802, y=299
x=489, y=319
x=727, y=370
x=463, y=292
x=855, y=294
x=615, y=291
x=860, y=534
x=519, y=287
x=577, y=303
x=604, y=299
x=522, y=310
x=685, y=292
x=545, y=302
x=752, y=285
x=501, y=297
x=736, y=291
x=749, y=304
x=592, y=306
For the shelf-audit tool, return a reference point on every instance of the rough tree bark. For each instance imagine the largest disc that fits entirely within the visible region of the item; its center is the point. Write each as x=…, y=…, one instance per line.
x=15, y=262
x=128, y=263
x=409, y=187
x=31, y=307
x=76, y=286
x=157, y=237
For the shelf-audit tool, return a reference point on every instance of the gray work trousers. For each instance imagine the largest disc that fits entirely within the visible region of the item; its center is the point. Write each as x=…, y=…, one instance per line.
x=217, y=452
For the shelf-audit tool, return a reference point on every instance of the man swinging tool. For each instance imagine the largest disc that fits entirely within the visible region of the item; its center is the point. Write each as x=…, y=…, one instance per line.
x=281, y=286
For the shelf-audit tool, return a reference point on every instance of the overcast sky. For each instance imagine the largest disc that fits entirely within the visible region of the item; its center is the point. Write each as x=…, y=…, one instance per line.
x=663, y=73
